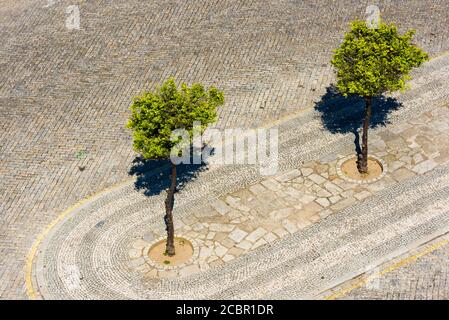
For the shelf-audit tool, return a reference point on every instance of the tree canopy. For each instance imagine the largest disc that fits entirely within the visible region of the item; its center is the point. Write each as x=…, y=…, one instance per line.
x=155, y=115
x=371, y=61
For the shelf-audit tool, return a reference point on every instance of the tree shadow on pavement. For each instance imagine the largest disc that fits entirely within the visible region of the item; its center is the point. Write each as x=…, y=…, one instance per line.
x=153, y=176
x=341, y=114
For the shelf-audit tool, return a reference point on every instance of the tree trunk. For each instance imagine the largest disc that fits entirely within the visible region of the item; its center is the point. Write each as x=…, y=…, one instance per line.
x=169, y=202
x=362, y=163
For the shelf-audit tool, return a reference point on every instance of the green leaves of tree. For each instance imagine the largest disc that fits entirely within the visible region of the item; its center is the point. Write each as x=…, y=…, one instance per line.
x=155, y=115
x=372, y=61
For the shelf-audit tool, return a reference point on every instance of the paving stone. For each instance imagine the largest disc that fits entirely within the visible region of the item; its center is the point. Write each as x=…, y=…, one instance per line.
x=272, y=184
x=303, y=223
x=192, y=234
x=316, y=178
x=281, y=214
x=280, y=232
x=259, y=243
x=144, y=268
x=312, y=207
x=289, y=175
x=270, y=237
x=289, y=226
x=197, y=227
x=220, y=236
x=362, y=195
x=396, y=143
x=378, y=143
x=323, y=202
x=396, y=165
x=153, y=273
x=221, y=227
x=417, y=158
x=205, y=252
x=257, y=189
x=334, y=199
x=220, y=206
x=212, y=259
x=325, y=213
x=343, y=204
x=348, y=193
x=333, y=188
x=293, y=192
x=256, y=234
x=320, y=192
x=216, y=263
x=306, y=171
x=402, y=174
x=425, y=166
x=228, y=243
x=307, y=199
x=228, y=258
x=220, y=250
x=245, y=245
x=299, y=180
x=237, y=235
x=236, y=252
x=442, y=158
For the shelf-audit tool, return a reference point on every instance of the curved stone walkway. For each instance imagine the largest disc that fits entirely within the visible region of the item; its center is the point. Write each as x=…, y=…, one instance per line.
x=287, y=236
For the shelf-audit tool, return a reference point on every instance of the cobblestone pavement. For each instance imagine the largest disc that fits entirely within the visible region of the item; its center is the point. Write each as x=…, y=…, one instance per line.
x=64, y=94
x=421, y=274
x=287, y=236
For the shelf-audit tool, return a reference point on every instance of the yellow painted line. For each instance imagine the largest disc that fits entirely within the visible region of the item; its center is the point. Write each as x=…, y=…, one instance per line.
x=32, y=294
x=439, y=55
x=408, y=260
x=30, y=257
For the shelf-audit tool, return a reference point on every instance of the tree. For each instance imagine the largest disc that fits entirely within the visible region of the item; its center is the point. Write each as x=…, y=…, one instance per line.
x=155, y=115
x=371, y=62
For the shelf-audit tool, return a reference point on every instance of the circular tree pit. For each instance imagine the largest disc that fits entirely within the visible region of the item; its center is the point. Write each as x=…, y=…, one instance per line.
x=183, y=252
x=349, y=169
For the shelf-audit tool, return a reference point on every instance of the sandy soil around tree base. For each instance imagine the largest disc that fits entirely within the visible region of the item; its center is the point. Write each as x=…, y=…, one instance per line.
x=183, y=252
x=349, y=169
